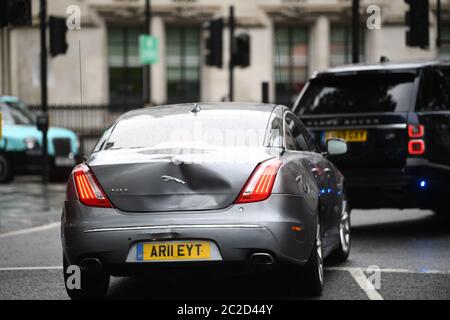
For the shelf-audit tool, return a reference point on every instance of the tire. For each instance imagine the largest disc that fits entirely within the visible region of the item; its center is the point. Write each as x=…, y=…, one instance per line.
x=313, y=270
x=308, y=280
x=6, y=169
x=342, y=252
x=94, y=286
x=59, y=175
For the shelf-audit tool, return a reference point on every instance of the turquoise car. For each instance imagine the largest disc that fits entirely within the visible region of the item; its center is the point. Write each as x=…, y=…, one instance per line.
x=21, y=144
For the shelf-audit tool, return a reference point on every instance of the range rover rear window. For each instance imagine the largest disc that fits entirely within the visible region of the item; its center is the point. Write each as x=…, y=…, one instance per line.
x=360, y=93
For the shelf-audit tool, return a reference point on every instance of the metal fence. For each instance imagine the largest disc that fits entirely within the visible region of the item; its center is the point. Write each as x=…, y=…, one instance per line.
x=88, y=122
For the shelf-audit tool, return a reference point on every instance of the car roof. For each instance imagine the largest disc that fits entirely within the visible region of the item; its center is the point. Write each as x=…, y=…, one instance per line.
x=9, y=99
x=382, y=67
x=178, y=109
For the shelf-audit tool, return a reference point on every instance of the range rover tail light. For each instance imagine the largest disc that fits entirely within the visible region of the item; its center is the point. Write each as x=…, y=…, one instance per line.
x=416, y=147
x=416, y=131
x=416, y=144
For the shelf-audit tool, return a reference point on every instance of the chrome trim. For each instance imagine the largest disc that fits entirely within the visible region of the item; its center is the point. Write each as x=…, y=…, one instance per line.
x=179, y=226
x=373, y=126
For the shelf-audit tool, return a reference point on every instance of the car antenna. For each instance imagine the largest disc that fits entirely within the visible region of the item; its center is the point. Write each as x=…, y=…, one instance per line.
x=196, y=108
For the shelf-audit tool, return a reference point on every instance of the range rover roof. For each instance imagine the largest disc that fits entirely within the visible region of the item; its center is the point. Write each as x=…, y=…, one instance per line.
x=388, y=66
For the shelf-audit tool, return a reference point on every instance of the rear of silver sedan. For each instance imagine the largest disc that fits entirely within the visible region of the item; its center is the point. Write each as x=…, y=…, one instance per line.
x=244, y=236
x=156, y=205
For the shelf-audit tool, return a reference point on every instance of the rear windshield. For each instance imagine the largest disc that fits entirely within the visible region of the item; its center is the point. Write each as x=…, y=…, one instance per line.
x=364, y=93
x=207, y=129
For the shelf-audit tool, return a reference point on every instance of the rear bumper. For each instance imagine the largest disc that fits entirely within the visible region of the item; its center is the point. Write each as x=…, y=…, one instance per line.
x=399, y=188
x=108, y=235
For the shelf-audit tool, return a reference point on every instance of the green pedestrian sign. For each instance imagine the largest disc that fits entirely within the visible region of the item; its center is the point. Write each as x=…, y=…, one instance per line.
x=148, y=49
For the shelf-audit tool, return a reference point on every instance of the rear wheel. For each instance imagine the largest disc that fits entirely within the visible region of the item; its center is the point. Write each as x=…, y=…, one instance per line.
x=94, y=286
x=308, y=280
x=60, y=175
x=313, y=270
x=343, y=251
x=6, y=169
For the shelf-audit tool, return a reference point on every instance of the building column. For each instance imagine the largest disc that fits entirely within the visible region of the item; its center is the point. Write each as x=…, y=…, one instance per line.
x=159, y=76
x=5, y=79
x=320, y=45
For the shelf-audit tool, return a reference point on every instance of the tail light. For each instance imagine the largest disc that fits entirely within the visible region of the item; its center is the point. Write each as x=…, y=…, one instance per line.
x=88, y=189
x=416, y=131
x=416, y=144
x=416, y=147
x=259, y=186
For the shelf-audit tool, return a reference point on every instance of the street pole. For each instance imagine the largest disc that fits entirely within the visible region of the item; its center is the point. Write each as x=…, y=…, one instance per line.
x=147, y=78
x=44, y=90
x=355, y=31
x=265, y=92
x=439, y=25
x=232, y=24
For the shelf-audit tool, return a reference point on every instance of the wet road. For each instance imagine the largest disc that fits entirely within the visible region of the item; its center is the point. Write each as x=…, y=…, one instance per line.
x=411, y=248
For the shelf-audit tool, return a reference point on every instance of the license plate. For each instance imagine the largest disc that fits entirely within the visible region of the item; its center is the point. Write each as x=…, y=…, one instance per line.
x=64, y=162
x=347, y=135
x=170, y=251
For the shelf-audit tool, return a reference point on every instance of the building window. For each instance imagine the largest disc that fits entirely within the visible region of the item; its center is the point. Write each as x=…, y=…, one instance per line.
x=125, y=71
x=183, y=64
x=341, y=45
x=291, y=62
x=444, y=51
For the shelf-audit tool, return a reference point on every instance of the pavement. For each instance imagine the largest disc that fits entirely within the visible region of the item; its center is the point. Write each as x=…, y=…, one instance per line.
x=409, y=252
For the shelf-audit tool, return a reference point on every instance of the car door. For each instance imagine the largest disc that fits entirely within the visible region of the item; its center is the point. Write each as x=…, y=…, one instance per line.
x=297, y=139
x=433, y=112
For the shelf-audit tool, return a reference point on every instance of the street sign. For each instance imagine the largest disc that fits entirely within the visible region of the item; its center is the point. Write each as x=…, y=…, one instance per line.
x=148, y=49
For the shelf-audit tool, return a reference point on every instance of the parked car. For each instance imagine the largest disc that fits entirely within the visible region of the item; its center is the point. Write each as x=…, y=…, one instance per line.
x=197, y=188
x=21, y=144
x=396, y=120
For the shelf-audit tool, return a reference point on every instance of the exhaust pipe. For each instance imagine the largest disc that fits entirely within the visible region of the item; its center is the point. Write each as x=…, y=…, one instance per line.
x=91, y=265
x=262, y=259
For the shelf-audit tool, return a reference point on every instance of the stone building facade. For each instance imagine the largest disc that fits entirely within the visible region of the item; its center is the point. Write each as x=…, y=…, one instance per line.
x=290, y=40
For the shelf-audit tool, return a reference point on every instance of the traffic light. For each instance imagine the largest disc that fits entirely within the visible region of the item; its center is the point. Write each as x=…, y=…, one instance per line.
x=58, y=30
x=214, y=43
x=242, y=54
x=417, y=20
x=15, y=13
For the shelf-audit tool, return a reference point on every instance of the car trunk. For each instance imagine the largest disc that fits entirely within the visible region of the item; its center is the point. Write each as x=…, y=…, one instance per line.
x=140, y=181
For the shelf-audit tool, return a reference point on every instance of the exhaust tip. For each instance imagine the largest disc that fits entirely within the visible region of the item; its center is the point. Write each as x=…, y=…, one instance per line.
x=91, y=264
x=262, y=259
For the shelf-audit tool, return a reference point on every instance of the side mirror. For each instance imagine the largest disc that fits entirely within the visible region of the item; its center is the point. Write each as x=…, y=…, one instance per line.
x=336, y=147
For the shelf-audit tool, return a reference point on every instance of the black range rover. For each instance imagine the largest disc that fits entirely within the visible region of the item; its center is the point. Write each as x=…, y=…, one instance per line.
x=396, y=119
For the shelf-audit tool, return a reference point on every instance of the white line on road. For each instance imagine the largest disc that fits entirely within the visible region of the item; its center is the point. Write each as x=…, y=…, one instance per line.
x=365, y=285
x=31, y=230
x=31, y=268
x=391, y=270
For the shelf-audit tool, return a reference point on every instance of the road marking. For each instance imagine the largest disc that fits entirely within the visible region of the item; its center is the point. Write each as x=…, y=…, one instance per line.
x=31, y=230
x=365, y=284
x=391, y=270
x=31, y=268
